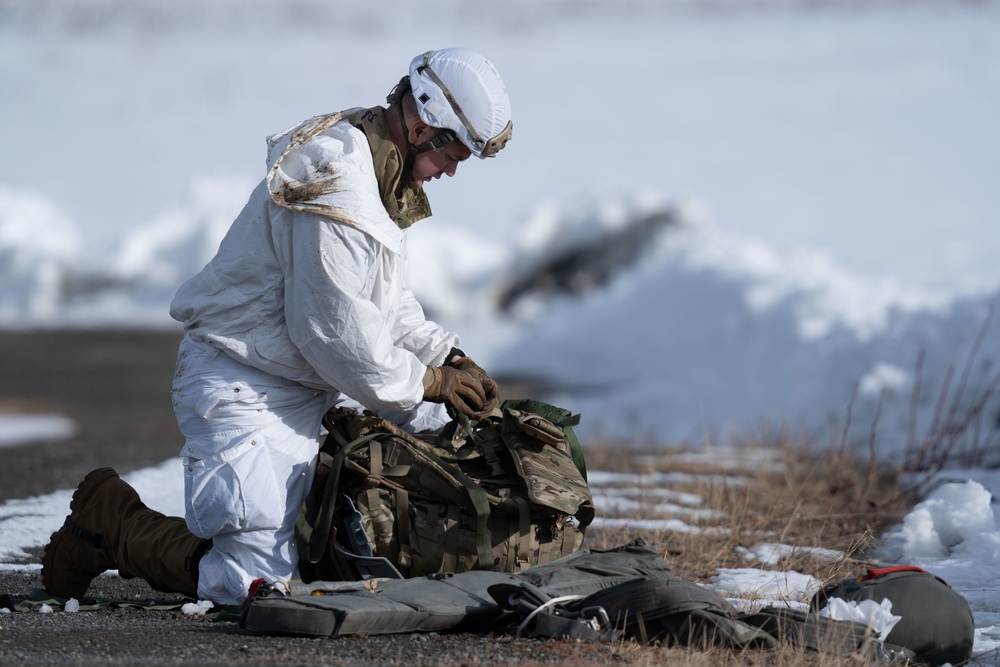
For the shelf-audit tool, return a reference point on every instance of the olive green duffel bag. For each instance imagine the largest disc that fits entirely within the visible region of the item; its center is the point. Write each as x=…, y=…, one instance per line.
x=936, y=622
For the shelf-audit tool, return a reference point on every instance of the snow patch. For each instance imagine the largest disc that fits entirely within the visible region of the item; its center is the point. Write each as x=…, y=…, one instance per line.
x=773, y=553
x=764, y=583
x=955, y=518
x=199, y=608
x=19, y=429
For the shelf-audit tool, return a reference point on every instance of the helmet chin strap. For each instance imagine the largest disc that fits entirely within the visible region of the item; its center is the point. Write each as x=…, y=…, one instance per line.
x=437, y=143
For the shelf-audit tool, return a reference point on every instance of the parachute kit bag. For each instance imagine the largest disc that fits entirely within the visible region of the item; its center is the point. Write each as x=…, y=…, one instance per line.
x=628, y=592
x=438, y=602
x=936, y=622
x=502, y=493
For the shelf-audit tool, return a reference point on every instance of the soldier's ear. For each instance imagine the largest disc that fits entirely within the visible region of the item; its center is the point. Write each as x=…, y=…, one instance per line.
x=420, y=132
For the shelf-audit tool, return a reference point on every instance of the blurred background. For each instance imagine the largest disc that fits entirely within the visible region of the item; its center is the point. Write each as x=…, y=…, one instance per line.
x=715, y=217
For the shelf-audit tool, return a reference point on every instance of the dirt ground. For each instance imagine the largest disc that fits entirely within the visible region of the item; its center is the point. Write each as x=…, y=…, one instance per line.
x=114, y=384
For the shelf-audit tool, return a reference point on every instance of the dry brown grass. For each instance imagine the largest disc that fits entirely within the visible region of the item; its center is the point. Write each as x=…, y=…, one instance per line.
x=631, y=653
x=800, y=498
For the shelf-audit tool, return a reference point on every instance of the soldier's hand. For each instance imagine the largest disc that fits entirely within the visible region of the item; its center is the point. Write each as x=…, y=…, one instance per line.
x=490, y=386
x=455, y=387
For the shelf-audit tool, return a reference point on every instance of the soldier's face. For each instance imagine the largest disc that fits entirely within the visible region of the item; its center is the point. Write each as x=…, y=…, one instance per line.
x=435, y=164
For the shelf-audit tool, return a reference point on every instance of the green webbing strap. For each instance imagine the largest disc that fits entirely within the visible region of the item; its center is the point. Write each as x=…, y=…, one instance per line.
x=466, y=423
x=447, y=433
x=39, y=597
x=451, y=428
x=481, y=504
x=317, y=533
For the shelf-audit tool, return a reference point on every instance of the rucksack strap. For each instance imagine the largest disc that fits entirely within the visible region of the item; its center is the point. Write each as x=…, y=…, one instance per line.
x=403, y=528
x=316, y=530
x=524, y=533
x=480, y=503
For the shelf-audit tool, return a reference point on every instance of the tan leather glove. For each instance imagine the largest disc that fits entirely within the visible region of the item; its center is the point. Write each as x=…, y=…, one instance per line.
x=490, y=386
x=455, y=387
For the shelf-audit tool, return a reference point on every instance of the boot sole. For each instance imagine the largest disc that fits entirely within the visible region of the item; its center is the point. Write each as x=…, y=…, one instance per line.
x=83, y=492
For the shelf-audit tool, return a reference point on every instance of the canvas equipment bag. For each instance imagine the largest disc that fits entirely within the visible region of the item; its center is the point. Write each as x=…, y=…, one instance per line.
x=442, y=601
x=936, y=624
x=503, y=493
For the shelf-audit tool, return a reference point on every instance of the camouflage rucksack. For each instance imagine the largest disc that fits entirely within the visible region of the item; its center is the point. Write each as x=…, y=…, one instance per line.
x=503, y=493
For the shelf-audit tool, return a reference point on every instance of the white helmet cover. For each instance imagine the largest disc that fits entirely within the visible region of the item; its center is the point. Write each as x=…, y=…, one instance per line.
x=460, y=90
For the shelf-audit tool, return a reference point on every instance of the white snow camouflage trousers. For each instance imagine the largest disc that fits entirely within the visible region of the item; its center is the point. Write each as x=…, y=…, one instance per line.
x=249, y=460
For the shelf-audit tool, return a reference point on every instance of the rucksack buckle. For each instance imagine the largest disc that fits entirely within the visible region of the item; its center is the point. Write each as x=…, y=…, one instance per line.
x=596, y=618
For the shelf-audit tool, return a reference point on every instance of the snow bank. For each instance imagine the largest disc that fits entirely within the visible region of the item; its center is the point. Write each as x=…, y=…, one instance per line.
x=39, y=247
x=956, y=519
x=708, y=335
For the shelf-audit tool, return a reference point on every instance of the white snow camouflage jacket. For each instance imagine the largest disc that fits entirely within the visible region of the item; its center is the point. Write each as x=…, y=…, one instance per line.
x=308, y=283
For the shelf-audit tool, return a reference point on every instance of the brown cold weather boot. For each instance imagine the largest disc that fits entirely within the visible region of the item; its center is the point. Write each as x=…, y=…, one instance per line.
x=109, y=527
